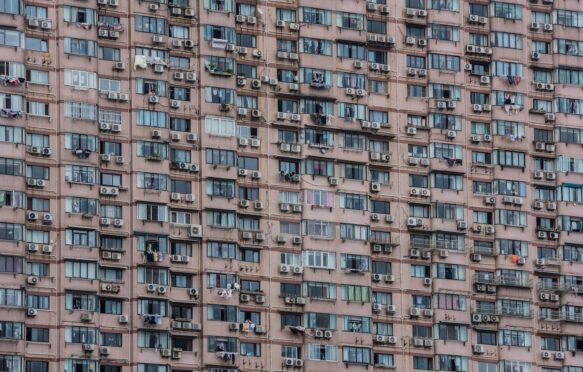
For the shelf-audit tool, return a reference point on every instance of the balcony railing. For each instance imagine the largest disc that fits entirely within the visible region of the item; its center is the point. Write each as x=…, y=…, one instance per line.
x=437, y=245
x=500, y=280
x=504, y=310
x=560, y=315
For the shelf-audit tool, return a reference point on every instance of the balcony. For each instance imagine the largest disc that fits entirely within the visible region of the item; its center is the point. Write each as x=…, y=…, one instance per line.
x=492, y=314
x=499, y=280
x=561, y=316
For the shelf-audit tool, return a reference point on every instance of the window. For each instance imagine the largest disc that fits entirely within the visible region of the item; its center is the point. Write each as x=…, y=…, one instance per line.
x=224, y=281
x=316, y=46
x=315, y=16
x=326, y=353
x=319, y=259
x=317, y=228
x=423, y=363
x=417, y=91
x=223, y=313
x=85, y=16
x=221, y=250
x=152, y=275
x=37, y=366
x=250, y=349
x=320, y=290
x=449, y=271
x=12, y=330
x=447, y=181
x=152, y=212
x=510, y=217
x=11, y=297
x=451, y=5
x=512, y=337
x=350, y=51
x=220, y=157
x=225, y=6
x=221, y=219
x=152, y=181
x=38, y=302
x=80, y=110
x=350, y=20
x=37, y=45
x=479, y=40
x=454, y=332
x=507, y=10
x=356, y=355
x=568, y=18
x=220, y=188
x=448, y=301
x=355, y=293
x=11, y=37
x=80, y=47
x=153, y=339
x=451, y=363
x=443, y=62
x=80, y=269
x=110, y=339
x=509, y=158
x=11, y=7
x=353, y=201
x=81, y=335
x=506, y=40
x=443, y=32
x=11, y=231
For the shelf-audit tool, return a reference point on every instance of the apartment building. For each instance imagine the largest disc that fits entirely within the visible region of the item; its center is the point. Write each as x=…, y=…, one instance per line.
x=291, y=185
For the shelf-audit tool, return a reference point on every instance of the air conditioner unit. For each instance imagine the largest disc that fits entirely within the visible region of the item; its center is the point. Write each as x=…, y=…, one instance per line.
x=260, y=299
x=427, y=281
x=294, y=26
x=158, y=69
x=88, y=348
x=538, y=174
x=473, y=18
x=541, y=234
x=484, y=80
x=550, y=117
x=176, y=43
x=414, y=253
x=551, y=206
x=535, y=56
x=551, y=176
x=298, y=270
x=476, y=257
x=451, y=134
x=195, y=231
x=548, y=27
x=410, y=12
x=46, y=25
x=478, y=349
x=297, y=240
x=559, y=355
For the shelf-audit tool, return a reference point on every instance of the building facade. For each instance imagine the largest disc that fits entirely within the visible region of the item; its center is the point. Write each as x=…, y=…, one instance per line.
x=225, y=185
